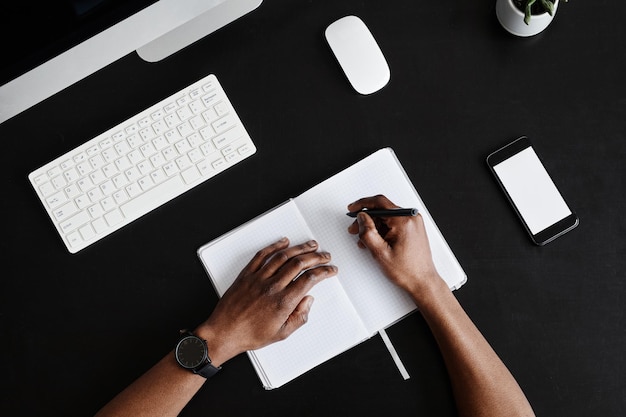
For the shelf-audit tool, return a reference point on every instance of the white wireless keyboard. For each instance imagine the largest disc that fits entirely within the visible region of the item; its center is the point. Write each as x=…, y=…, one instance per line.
x=142, y=163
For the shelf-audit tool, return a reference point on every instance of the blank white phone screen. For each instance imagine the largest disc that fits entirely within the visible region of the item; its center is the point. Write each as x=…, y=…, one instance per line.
x=532, y=190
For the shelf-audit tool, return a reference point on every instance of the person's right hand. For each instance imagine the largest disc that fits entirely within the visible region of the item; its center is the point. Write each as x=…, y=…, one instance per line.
x=398, y=244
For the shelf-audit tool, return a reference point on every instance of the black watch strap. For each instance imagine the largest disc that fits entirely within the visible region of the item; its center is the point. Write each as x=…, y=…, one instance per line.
x=207, y=370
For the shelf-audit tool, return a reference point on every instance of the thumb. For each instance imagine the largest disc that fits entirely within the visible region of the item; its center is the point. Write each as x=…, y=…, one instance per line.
x=368, y=234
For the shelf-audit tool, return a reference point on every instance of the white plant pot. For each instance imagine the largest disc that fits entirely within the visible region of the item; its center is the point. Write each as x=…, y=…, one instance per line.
x=512, y=19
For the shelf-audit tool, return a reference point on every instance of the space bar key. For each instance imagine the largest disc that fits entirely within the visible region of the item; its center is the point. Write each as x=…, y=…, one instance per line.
x=153, y=198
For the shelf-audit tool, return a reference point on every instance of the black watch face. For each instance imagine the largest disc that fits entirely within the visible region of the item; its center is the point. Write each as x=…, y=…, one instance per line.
x=191, y=352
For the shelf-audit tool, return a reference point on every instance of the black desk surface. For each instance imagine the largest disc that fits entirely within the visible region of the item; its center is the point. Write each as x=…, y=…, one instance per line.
x=76, y=329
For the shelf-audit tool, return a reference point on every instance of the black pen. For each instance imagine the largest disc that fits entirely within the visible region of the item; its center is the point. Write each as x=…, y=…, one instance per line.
x=386, y=212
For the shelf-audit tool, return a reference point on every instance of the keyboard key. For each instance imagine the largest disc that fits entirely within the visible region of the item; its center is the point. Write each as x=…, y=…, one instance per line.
x=82, y=201
x=120, y=197
x=67, y=164
x=219, y=164
x=93, y=150
x=145, y=183
x=58, y=182
x=113, y=217
x=71, y=175
x=170, y=107
x=184, y=113
x=96, y=211
x=157, y=114
x=223, y=124
x=74, y=222
x=133, y=189
x=210, y=99
x=143, y=122
x=56, y=199
x=72, y=191
x=153, y=198
x=221, y=109
x=97, y=176
x=196, y=106
x=81, y=157
x=65, y=211
x=84, y=168
x=191, y=174
x=54, y=171
x=100, y=226
x=108, y=204
x=46, y=189
x=131, y=129
x=87, y=232
x=94, y=195
x=41, y=179
x=74, y=239
x=85, y=184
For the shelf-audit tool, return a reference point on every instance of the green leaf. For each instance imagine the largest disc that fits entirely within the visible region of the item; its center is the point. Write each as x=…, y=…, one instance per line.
x=527, y=11
x=548, y=5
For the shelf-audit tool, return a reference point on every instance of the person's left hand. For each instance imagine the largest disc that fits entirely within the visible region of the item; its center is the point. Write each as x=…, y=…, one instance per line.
x=266, y=303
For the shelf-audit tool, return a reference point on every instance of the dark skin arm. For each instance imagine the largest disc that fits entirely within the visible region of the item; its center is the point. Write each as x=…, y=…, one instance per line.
x=264, y=305
x=481, y=383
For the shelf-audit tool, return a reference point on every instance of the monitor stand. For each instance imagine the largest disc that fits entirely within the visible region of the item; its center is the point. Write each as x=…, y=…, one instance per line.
x=195, y=29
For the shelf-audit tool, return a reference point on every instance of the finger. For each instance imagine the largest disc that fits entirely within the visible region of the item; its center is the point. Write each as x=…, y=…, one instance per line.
x=298, y=264
x=298, y=317
x=280, y=258
x=301, y=286
x=261, y=257
x=378, y=201
x=368, y=234
x=353, y=229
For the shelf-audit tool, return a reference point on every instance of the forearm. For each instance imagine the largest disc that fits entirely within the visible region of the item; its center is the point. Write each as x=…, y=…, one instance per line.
x=166, y=388
x=164, y=391
x=482, y=384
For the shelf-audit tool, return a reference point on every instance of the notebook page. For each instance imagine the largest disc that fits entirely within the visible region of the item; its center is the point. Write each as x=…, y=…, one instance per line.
x=333, y=325
x=379, y=302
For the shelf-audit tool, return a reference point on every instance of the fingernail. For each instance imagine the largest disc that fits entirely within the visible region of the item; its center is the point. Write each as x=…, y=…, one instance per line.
x=312, y=243
x=283, y=239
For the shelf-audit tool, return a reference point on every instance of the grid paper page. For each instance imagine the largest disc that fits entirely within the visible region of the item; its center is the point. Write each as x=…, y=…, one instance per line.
x=379, y=302
x=333, y=325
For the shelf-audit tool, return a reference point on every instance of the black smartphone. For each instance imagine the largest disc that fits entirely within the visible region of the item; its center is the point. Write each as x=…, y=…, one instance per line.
x=531, y=191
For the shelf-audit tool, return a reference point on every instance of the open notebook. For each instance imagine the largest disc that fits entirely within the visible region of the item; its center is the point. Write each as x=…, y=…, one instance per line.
x=360, y=301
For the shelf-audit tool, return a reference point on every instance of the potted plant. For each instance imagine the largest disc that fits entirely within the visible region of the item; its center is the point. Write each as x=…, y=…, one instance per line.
x=526, y=17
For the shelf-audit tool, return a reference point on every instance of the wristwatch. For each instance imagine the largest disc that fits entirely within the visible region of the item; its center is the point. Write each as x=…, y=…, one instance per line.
x=192, y=353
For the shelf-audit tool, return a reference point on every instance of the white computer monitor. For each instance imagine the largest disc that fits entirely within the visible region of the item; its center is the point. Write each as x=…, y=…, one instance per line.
x=155, y=32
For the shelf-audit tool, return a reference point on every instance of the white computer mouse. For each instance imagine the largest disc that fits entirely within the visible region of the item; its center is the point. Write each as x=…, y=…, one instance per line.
x=358, y=54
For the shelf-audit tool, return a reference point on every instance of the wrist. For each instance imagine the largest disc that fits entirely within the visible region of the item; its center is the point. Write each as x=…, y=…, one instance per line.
x=428, y=290
x=219, y=349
